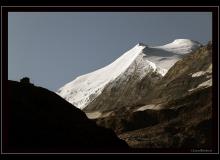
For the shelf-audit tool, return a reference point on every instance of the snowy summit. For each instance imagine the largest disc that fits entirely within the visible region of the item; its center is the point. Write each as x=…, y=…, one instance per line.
x=141, y=60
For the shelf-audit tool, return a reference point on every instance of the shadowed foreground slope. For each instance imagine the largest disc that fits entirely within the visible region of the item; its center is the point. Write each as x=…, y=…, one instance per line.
x=41, y=121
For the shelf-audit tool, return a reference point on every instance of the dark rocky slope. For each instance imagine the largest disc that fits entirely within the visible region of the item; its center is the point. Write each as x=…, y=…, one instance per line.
x=190, y=127
x=41, y=121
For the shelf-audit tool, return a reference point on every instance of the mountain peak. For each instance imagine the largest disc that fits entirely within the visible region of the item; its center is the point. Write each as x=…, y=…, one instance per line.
x=185, y=42
x=182, y=40
x=141, y=44
x=181, y=46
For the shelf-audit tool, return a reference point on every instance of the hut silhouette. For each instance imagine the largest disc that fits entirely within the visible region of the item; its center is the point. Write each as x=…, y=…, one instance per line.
x=25, y=80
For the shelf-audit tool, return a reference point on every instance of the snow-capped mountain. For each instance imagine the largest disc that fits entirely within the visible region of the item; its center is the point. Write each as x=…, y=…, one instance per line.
x=125, y=81
x=180, y=104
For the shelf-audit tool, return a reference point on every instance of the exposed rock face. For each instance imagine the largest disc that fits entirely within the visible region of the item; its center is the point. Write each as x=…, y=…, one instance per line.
x=41, y=121
x=178, y=111
x=127, y=92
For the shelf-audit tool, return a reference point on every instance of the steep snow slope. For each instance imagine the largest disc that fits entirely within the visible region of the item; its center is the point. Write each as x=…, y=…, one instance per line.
x=85, y=88
x=141, y=61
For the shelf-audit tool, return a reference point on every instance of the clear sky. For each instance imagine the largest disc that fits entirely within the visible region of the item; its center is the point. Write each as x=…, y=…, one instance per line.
x=53, y=48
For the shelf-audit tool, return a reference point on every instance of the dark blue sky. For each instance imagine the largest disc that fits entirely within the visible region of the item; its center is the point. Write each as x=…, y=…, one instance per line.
x=53, y=48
